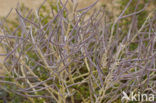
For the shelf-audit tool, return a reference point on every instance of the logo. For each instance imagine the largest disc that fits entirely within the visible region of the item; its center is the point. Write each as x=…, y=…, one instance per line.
x=137, y=97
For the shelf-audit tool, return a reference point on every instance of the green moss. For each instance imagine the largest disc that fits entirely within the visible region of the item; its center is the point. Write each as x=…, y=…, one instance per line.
x=133, y=46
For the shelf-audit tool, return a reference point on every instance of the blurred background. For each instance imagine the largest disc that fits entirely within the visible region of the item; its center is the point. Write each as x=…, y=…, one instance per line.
x=6, y=5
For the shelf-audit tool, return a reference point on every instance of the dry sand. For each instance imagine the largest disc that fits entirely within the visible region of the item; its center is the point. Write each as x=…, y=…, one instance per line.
x=6, y=5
